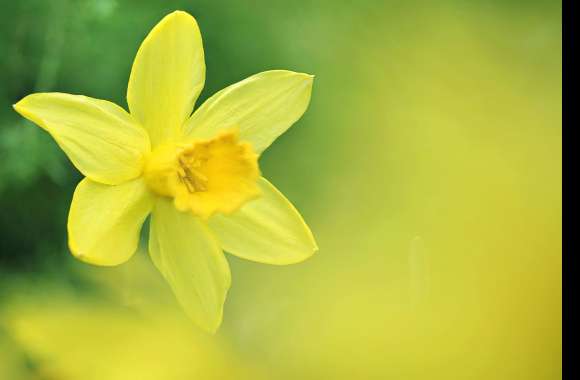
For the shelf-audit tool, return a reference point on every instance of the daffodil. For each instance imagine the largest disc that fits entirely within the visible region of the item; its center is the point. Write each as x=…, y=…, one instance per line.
x=196, y=174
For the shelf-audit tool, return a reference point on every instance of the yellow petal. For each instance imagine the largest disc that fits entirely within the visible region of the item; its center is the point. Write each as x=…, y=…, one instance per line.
x=167, y=76
x=190, y=259
x=102, y=140
x=104, y=221
x=262, y=106
x=268, y=230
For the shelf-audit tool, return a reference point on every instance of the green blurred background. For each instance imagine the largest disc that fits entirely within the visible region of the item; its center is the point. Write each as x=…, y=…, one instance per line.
x=428, y=166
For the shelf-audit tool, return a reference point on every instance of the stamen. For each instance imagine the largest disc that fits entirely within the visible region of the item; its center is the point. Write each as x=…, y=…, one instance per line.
x=193, y=180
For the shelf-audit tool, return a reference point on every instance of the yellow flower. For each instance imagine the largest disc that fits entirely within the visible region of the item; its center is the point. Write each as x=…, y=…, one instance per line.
x=196, y=174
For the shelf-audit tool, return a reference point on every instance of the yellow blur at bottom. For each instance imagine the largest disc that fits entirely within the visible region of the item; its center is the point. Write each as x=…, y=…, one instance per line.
x=131, y=330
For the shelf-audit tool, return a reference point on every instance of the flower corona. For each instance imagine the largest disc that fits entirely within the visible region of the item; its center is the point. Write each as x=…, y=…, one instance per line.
x=205, y=177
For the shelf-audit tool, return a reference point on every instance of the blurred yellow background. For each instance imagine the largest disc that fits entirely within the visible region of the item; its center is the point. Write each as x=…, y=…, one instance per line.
x=428, y=167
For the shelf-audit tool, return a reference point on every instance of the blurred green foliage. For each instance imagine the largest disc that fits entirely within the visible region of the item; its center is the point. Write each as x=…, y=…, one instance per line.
x=428, y=166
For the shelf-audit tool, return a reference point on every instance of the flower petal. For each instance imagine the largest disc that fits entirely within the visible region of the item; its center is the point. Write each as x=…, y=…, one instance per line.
x=268, y=230
x=190, y=259
x=167, y=76
x=104, y=221
x=102, y=140
x=262, y=106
